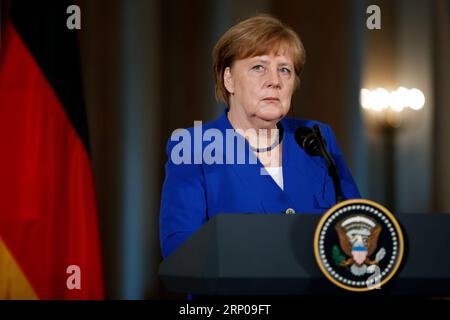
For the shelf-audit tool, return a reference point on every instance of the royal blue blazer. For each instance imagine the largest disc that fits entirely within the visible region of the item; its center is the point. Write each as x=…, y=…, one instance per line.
x=193, y=193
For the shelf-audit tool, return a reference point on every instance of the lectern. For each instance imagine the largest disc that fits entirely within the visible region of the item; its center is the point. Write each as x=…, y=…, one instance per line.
x=272, y=254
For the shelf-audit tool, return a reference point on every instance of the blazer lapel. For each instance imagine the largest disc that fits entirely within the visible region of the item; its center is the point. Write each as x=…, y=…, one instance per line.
x=305, y=177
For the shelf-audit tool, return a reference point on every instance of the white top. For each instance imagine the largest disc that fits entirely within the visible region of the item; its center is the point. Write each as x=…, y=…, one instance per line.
x=277, y=175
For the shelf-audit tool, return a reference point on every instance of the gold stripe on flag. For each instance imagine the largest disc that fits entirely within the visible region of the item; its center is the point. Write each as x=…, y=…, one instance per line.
x=13, y=282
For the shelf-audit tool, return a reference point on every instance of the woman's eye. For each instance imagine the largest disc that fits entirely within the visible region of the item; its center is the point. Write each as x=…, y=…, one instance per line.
x=258, y=68
x=285, y=70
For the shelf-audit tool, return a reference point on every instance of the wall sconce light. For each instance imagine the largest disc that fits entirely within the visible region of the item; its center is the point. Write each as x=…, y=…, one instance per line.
x=397, y=100
x=388, y=106
x=385, y=109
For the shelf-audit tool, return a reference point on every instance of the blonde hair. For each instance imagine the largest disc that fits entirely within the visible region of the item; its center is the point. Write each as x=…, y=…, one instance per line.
x=255, y=36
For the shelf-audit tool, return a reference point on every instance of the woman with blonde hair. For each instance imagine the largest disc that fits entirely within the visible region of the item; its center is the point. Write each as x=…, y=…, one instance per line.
x=257, y=67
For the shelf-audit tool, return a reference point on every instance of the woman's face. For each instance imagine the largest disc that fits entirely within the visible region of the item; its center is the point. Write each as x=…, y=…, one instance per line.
x=261, y=87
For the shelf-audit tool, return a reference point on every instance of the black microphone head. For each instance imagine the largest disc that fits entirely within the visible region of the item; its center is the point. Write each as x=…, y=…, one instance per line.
x=307, y=139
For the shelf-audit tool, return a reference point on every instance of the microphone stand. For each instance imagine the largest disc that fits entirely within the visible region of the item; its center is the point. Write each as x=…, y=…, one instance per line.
x=332, y=169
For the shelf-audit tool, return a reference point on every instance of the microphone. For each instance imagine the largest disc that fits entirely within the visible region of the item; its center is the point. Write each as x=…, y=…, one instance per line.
x=312, y=141
x=307, y=139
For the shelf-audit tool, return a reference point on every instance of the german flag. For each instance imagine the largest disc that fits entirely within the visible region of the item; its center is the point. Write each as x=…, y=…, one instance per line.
x=49, y=240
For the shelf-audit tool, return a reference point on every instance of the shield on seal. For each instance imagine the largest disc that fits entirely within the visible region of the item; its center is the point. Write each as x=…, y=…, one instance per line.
x=359, y=254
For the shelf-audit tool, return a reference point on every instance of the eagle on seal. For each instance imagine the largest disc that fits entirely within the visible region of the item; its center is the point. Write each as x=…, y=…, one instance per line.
x=358, y=246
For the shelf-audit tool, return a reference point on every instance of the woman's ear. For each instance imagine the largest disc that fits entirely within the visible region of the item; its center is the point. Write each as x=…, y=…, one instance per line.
x=228, y=80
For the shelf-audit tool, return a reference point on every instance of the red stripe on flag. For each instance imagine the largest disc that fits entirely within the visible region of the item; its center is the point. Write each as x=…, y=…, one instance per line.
x=48, y=216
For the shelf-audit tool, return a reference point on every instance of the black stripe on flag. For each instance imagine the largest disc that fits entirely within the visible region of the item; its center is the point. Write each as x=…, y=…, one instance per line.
x=42, y=26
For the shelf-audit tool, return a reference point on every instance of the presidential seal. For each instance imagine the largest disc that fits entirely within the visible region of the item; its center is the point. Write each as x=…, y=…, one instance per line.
x=358, y=245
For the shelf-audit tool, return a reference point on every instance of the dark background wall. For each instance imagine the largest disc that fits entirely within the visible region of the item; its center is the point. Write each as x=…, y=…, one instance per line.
x=147, y=71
